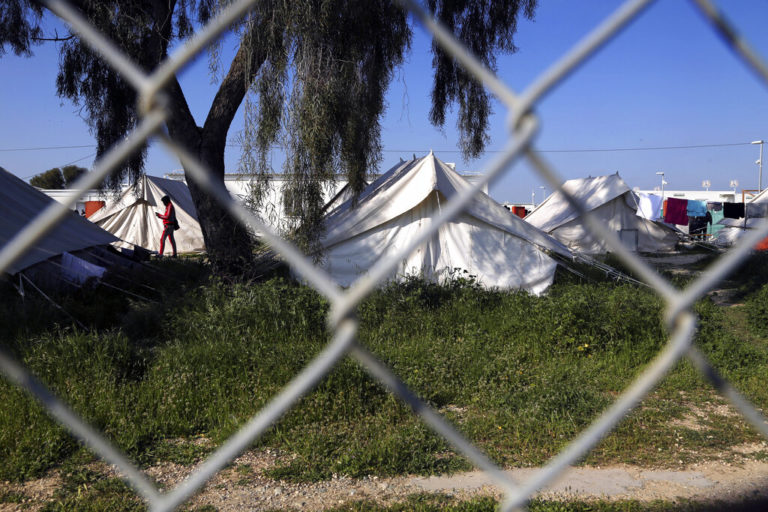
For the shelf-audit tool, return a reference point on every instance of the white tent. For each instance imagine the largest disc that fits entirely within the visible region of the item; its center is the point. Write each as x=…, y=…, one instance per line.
x=611, y=201
x=733, y=229
x=341, y=197
x=132, y=216
x=20, y=203
x=486, y=240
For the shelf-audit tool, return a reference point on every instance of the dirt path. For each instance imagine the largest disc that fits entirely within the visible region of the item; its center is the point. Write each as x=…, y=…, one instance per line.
x=705, y=482
x=242, y=486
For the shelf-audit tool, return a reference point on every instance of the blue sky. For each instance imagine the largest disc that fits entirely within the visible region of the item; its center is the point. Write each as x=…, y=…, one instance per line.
x=668, y=80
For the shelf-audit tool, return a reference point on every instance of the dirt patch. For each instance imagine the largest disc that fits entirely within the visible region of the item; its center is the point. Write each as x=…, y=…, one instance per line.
x=725, y=297
x=751, y=448
x=31, y=495
x=705, y=482
x=242, y=485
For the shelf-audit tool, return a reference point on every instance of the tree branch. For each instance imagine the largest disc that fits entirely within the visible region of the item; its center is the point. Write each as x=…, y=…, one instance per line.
x=231, y=93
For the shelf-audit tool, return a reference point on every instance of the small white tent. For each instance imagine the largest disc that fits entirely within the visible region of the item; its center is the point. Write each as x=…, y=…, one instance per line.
x=485, y=240
x=611, y=201
x=132, y=216
x=20, y=203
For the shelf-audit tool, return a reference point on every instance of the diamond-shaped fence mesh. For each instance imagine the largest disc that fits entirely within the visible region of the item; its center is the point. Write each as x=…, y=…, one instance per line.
x=522, y=124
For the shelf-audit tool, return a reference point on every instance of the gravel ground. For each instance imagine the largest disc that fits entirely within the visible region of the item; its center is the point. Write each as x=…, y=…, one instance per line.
x=242, y=486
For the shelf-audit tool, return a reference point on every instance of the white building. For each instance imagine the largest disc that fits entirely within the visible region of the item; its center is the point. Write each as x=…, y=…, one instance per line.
x=88, y=201
x=712, y=196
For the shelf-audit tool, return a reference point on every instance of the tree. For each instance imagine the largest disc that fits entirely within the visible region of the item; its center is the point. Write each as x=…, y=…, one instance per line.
x=58, y=178
x=313, y=74
x=50, y=179
x=71, y=173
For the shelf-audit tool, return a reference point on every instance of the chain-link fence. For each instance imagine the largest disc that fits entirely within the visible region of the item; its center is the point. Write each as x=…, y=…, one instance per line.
x=522, y=123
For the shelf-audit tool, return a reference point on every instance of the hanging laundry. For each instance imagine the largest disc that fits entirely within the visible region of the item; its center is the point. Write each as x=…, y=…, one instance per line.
x=648, y=206
x=756, y=210
x=677, y=211
x=733, y=210
x=78, y=270
x=696, y=208
x=715, y=206
x=717, y=215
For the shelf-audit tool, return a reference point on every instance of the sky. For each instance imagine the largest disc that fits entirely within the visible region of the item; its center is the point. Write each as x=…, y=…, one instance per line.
x=667, y=81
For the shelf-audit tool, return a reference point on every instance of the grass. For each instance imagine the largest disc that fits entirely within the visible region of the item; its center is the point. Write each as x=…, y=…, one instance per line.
x=519, y=375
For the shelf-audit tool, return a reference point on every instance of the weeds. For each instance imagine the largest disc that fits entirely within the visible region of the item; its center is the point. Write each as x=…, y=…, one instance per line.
x=517, y=374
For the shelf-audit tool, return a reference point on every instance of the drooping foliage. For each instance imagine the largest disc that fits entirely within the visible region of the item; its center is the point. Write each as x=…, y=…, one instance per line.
x=343, y=54
x=143, y=35
x=19, y=25
x=485, y=28
x=313, y=75
x=326, y=110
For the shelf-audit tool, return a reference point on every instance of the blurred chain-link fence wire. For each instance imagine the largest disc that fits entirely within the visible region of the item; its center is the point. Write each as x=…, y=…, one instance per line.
x=522, y=124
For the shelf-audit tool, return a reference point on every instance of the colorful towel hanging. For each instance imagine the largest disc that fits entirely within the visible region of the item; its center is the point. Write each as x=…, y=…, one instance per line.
x=677, y=211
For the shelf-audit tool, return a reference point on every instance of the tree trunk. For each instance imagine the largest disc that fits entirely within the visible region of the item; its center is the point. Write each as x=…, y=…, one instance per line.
x=229, y=244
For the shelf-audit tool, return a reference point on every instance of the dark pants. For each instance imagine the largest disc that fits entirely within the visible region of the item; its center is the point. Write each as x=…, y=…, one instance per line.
x=168, y=232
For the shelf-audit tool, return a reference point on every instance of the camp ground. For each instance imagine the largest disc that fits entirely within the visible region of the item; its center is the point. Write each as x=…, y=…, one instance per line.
x=612, y=203
x=485, y=241
x=131, y=217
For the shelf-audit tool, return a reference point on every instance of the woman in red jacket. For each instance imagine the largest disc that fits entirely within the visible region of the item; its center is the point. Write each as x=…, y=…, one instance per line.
x=169, y=224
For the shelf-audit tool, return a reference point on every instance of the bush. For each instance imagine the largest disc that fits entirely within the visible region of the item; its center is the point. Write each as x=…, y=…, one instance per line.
x=757, y=311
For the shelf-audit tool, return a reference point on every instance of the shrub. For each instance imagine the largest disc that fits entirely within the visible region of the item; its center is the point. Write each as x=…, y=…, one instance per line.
x=757, y=311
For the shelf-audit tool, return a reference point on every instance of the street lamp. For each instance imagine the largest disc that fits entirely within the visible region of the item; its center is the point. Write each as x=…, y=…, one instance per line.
x=543, y=192
x=706, y=184
x=663, y=182
x=760, y=163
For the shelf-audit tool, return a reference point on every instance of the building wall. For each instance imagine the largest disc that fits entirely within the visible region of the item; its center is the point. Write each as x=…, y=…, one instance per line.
x=64, y=195
x=715, y=196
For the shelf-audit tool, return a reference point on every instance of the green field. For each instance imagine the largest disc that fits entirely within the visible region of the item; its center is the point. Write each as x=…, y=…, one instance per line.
x=519, y=375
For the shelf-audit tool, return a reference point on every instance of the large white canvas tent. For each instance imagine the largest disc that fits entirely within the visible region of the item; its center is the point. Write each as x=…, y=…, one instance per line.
x=341, y=197
x=132, y=216
x=733, y=229
x=486, y=240
x=611, y=201
x=20, y=203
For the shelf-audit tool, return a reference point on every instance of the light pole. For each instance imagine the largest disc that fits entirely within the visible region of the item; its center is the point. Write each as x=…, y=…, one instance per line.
x=543, y=192
x=663, y=182
x=760, y=163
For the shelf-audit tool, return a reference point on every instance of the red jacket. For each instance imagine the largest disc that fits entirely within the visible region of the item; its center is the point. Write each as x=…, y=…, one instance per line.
x=169, y=217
